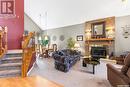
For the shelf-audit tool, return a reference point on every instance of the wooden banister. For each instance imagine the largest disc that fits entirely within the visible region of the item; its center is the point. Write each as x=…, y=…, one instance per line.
x=26, y=39
x=28, y=47
x=3, y=41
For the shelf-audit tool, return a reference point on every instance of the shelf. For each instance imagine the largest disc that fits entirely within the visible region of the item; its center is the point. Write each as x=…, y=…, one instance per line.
x=98, y=44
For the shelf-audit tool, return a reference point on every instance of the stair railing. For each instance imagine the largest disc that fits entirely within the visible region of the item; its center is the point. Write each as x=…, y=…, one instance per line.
x=3, y=41
x=28, y=46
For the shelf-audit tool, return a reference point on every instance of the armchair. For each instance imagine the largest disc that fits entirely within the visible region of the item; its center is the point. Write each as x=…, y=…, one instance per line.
x=119, y=77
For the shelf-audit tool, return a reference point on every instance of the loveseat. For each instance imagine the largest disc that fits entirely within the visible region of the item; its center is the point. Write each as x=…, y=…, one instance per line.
x=65, y=59
x=119, y=77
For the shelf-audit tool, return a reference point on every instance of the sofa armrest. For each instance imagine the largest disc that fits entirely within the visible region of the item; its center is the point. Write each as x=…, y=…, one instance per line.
x=116, y=77
x=61, y=59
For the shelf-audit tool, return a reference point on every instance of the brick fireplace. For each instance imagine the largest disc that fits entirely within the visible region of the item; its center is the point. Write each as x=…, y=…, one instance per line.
x=99, y=35
x=105, y=45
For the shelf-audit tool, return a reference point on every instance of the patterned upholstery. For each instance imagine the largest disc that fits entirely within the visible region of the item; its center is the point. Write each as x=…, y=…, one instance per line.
x=65, y=59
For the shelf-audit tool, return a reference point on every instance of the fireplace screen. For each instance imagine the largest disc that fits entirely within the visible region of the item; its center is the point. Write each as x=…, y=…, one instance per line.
x=98, y=52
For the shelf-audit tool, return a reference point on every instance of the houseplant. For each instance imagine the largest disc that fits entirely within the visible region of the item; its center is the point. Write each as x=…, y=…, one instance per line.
x=70, y=43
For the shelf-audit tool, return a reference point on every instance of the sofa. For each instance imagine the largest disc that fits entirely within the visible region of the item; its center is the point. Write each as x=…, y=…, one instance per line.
x=120, y=59
x=65, y=59
x=119, y=77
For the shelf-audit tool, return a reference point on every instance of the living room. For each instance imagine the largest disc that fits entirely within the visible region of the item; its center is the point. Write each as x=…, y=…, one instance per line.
x=45, y=43
x=112, y=43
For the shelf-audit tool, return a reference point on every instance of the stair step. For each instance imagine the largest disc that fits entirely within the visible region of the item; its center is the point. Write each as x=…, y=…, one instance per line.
x=13, y=55
x=12, y=58
x=10, y=61
x=17, y=51
x=10, y=68
x=10, y=73
x=9, y=76
x=10, y=64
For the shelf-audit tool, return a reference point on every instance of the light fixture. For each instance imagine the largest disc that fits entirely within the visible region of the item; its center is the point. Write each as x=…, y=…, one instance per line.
x=43, y=20
x=88, y=34
x=124, y=0
x=46, y=37
x=110, y=32
x=46, y=19
x=40, y=38
x=77, y=45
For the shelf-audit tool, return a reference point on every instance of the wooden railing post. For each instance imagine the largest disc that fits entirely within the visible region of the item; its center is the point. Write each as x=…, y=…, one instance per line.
x=28, y=47
x=3, y=41
x=6, y=38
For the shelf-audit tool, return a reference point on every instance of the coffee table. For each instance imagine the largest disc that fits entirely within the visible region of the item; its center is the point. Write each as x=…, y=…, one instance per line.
x=88, y=60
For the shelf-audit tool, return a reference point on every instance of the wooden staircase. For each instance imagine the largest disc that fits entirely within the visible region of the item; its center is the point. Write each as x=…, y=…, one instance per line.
x=10, y=65
x=16, y=62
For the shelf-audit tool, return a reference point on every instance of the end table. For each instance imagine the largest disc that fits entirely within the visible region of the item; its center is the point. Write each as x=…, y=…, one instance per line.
x=87, y=60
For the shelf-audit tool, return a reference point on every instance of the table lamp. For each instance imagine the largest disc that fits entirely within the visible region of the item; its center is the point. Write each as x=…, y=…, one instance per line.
x=76, y=46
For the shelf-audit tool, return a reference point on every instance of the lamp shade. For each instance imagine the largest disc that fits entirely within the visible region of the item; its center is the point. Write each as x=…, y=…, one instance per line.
x=46, y=38
x=77, y=45
x=40, y=38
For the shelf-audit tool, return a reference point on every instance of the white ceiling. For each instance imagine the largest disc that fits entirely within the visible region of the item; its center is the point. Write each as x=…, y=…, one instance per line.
x=62, y=13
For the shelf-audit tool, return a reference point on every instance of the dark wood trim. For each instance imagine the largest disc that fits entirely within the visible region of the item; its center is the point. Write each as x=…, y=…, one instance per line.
x=98, y=23
x=80, y=36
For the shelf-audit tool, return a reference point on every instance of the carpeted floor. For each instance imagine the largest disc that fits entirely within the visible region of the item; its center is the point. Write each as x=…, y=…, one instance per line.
x=78, y=76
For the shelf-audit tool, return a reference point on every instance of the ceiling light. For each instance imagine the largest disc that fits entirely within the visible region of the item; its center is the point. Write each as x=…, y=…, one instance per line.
x=124, y=0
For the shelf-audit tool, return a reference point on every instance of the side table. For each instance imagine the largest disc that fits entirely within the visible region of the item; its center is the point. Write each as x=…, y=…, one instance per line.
x=87, y=60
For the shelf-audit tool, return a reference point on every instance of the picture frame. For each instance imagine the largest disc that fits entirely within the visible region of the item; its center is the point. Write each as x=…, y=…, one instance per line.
x=98, y=30
x=80, y=38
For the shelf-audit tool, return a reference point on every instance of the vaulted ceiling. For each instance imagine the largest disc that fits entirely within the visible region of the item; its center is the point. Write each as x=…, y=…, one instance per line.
x=50, y=14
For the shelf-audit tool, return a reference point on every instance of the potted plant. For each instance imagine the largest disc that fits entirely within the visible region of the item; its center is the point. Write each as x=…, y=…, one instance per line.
x=70, y=43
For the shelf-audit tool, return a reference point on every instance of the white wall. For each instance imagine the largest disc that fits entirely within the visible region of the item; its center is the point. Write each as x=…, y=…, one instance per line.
x=71, y=12
x=121, y=44
x=29, y=25
x=70, y=31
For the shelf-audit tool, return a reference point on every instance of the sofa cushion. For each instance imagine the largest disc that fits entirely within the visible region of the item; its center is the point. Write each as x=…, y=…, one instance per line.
x=61, y=53
x=127, y=64
x=128, y=73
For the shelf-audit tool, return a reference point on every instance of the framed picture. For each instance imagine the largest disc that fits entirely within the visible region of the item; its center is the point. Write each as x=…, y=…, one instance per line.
x=80, y=38
x=98, y=30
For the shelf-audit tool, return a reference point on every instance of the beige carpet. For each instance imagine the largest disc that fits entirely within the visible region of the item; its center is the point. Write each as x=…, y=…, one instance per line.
x=78, y=76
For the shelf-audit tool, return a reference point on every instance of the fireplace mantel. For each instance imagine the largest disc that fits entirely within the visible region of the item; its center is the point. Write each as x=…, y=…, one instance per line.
x=99, y=41
x=107, y=41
